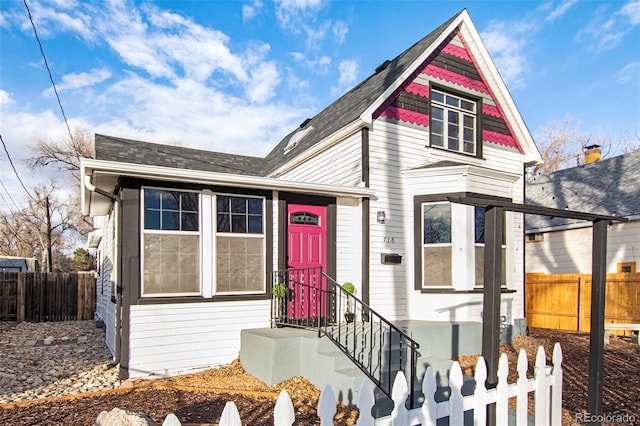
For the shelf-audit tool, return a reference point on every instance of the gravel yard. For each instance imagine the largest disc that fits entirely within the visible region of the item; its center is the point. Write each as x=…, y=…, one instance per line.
x=65, y=369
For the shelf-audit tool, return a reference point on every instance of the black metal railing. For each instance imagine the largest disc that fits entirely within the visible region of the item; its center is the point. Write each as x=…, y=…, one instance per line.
x=309, y=298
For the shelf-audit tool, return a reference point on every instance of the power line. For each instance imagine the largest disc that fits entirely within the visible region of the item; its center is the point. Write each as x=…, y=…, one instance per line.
x=15, y=171
x=46, y=64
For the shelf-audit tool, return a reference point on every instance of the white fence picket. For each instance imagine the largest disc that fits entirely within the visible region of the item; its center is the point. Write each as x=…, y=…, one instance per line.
x=399, y=394
x=480, y=408
x=327, y=406
x=556, y=387
x=366, y=401
x=523, y=389
x=230, y=415
x=283, y=412
x=502, y=396
x=456, y=409
x=546, y=385
x=541, y=389
x=429, y=409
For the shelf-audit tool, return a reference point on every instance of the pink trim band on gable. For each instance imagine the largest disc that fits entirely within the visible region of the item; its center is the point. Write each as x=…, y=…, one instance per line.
x=491, y=110
x=418, y=89
x=406, y=115
x=500, y=139
x=455, y=78
x=458, y=51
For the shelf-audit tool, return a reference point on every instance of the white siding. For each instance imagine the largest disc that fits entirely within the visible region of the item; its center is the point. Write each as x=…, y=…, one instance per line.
x=349, y=242
x=170, y=339
x=395, y=151
x=338, y=165
x=105, y=281
x=568, y=252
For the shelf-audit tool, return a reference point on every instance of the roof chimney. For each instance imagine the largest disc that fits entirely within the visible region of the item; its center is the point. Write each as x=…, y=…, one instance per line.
x=592, y=154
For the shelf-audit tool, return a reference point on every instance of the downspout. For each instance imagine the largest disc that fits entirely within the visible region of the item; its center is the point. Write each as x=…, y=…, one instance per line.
x=118, y=297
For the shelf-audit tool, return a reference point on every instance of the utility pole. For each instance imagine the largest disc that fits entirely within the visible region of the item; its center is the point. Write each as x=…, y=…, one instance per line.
x=49, y=256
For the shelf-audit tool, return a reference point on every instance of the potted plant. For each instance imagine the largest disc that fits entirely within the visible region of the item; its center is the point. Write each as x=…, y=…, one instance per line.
x=348, y=288
x=279, y=292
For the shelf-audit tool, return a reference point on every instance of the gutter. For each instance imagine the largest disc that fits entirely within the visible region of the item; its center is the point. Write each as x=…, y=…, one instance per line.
x=118, y=296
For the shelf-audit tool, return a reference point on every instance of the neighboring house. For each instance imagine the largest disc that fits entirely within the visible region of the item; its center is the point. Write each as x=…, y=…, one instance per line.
x=190, y=238
x=607, y=187
x=18, y=264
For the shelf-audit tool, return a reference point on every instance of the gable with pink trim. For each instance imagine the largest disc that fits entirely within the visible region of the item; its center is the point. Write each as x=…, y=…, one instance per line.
x=452, y=67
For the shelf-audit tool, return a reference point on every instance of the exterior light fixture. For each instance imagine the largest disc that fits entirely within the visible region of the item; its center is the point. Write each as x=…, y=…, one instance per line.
x=381, y=217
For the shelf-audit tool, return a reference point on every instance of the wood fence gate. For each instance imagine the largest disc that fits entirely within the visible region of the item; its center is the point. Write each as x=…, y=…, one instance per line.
x=47, y=296
x=563, y=301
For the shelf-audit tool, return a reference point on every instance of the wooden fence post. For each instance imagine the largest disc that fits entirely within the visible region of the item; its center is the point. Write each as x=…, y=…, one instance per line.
x=20, y=304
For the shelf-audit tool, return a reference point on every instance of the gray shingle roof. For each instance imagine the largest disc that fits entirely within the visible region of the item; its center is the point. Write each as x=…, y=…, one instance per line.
x=344, y=111
x=352, y=104
x=608, y=187
x=110, y=148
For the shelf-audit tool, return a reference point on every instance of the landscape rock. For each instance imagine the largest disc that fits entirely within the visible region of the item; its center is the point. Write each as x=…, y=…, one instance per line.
x=123, y=417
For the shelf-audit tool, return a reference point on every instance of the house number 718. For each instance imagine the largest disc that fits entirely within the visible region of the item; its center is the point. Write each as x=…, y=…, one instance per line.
x=389, y=239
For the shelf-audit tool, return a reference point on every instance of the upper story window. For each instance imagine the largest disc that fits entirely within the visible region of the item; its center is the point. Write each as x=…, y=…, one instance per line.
x=453, y=122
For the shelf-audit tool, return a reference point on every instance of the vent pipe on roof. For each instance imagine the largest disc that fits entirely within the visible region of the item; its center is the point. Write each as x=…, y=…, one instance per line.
x=592, y=154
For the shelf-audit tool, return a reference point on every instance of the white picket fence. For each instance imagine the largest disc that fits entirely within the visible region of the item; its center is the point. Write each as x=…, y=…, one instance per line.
x=546, y=386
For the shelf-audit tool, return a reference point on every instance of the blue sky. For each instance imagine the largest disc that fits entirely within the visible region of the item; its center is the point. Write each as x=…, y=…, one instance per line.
x=236, y=76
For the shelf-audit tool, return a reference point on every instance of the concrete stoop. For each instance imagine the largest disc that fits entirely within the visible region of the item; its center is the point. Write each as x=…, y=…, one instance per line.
x=276, y=354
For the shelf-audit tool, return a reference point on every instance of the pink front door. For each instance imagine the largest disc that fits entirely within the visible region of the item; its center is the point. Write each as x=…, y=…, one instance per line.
x=306, y=248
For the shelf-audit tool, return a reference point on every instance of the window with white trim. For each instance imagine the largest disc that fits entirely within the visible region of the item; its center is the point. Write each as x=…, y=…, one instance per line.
x=240, y=244
x=478, y=220
x=453, y=122
x=170, y=243
x=450, y=245
x=436, y=244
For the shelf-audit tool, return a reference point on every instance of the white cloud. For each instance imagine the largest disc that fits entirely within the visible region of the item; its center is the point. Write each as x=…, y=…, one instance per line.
x=60, y=16
x=340, y=30
x=291, y=13
x=631, y=11
x=608, y=28
x=5, y=98
x=349, y=70
x=629, y=74
x=561, y=10
x=250, y=11
x=264, y=80
x=79, y=80
x=506, y=43
x=319, y=64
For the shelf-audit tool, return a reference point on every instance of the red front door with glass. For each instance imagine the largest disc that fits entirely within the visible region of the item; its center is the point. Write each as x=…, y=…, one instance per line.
x=306, y=254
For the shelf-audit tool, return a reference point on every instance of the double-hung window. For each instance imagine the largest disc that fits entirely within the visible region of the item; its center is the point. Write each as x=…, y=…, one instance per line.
x=240, y=244
x=453, y=122
x=479, y=213
x=171, y=243
x=450, y=245
x=436, y=244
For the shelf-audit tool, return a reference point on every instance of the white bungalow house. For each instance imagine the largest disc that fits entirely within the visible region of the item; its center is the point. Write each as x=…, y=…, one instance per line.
x=189, y=239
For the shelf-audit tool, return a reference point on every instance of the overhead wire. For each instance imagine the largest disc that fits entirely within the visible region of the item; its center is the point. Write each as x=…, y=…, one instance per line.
x=15, y=171
x=46, y=64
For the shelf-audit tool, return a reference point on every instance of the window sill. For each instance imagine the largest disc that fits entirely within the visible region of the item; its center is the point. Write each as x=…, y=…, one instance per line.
x=200, y=299
x=479, y=290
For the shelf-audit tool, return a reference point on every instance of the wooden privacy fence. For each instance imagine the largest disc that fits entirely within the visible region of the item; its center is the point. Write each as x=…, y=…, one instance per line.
x=546, y=386
x=563, y=301
x=47, y=296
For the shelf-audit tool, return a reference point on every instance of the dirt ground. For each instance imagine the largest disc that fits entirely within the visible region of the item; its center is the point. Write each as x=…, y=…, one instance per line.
x=199, y=398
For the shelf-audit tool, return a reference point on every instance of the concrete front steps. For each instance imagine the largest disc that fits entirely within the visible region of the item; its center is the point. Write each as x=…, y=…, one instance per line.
x=277, y=354
x=274, y=355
